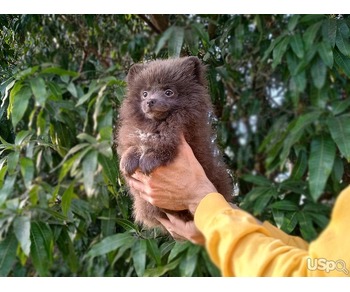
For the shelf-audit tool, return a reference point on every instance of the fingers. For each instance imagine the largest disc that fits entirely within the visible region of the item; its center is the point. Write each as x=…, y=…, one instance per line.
x=138, y=175
x=172, y=229
x=180, y=229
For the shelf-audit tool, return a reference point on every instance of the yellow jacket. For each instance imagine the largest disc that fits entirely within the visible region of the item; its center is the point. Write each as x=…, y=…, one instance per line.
x=241, y=246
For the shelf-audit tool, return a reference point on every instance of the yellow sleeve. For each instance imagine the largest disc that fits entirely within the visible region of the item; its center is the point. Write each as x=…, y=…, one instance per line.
x=240, y=246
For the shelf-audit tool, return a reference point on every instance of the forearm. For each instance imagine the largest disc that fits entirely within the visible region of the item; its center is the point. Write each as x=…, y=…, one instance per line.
x=240, y=246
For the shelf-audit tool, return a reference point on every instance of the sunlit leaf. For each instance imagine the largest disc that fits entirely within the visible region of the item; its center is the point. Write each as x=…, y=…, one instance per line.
x=60, y=72
x=7, y=188
x=39, y=90
x=27, y=170
x=89, y=168
x=110, y=243
x=21, y=228
x=67, y=198
x=18, y=103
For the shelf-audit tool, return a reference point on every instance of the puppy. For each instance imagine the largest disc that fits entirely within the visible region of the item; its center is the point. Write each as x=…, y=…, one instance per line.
x=166, y=98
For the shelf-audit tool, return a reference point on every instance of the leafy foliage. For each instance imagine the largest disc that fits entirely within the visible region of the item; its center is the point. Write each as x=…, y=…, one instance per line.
x=279, y=84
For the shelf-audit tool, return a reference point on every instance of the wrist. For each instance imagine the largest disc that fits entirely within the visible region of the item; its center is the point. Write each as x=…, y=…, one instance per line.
x=201, y=192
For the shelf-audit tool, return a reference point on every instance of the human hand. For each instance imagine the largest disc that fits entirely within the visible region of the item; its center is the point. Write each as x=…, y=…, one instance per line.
x=182, y=230
x=178, y=186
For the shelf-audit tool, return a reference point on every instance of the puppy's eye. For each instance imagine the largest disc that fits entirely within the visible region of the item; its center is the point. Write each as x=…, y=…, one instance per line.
x=144, y=94
x=169, y=92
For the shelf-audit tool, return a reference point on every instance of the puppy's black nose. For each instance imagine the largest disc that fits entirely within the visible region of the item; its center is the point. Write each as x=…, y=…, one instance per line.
x=151, y=102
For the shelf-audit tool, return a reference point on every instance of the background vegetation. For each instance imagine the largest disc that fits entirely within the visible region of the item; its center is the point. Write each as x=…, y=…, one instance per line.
x=280, y=87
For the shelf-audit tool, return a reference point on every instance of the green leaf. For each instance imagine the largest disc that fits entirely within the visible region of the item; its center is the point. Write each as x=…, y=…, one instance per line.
x=93, y=88
x=300, y=166
x=18, y=103
x=153, y=251
x=7, y=188
x=343, y=62
x=109, y=168
x=338, y=169
x=160, y=271
x=285, y=205
x=108, y=222
x=310, y=34
x=342, y=40
x=23, y=137
x=67, y=198
x=294, y=185
x=202, y=32
x=258, y=198
x=21, y=228
x=60, y=72
x=39, y=90
x=72, y=89
x=8, y=249
x=290, y=221
x=164, y=39
x=263, y=200
x=41, y=248
x=307, y=229
x=329, y=31
x=66, y=247
x=257, y=180
x=321, y=162
x=318, y=73
x=298, y=82
x=139, y=251
x=340, y=132
x=89, y=168
x=12, y=161
x=126, y=224
x=189, y=261
x=279, y=51
x=166, y=247
x=293, y=21
x=326, y=53
x=27, y=170
x=176, y=41
x=8, y=84
x=296, y=42
x=178, y=248
x=111, y=243
x=273, y=44
x=295, y=130
x=339, y=106
x=55, y=90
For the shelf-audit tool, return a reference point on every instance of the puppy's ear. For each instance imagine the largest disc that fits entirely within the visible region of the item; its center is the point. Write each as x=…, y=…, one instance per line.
x=194, y=66
x=134, y=71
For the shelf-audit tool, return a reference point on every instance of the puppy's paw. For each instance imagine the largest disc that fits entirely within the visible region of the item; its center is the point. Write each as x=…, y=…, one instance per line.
x=149, y=162
x=129, y=161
